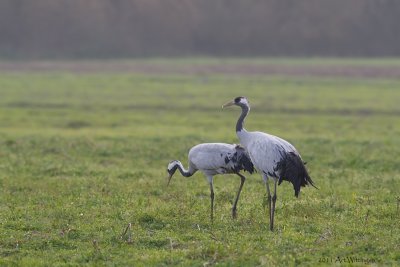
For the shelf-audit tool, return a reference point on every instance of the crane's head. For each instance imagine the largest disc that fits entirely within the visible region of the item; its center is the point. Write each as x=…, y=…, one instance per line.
x=172, y=166
x=240, y=101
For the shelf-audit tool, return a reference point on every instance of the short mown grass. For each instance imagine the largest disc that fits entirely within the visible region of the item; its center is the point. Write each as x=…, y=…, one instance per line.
x=84, y=155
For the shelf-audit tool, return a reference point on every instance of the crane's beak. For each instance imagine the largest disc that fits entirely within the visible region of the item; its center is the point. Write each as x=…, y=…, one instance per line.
x=169, y=179
x=230, y=103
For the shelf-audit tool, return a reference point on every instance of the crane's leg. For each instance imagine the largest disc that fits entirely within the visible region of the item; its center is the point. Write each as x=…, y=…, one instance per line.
x=242, y=180
x=273, y=205
x=269, y=201
x=210, y=181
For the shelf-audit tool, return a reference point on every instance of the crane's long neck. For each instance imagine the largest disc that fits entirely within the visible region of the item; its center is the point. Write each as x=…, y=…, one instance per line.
x=240, y=122
x=182, y=170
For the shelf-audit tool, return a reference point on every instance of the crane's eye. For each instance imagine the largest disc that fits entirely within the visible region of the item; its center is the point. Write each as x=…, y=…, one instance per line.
x=237, y=99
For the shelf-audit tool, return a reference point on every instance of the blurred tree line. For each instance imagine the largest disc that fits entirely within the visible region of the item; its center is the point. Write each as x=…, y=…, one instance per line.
x=139, y=28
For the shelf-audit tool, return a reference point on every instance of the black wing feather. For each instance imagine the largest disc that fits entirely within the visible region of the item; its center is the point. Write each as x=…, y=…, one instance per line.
x=292, y=169
x=243, y=161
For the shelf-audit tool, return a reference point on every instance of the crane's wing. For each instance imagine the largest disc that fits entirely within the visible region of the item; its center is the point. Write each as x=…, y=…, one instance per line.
x=213, y=157
x=277, y=158
x=292, y=169
x=264, y=151
x=242, y=160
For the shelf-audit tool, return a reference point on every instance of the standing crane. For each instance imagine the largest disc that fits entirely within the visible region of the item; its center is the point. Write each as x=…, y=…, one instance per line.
x=272, y=156
x=212, y=159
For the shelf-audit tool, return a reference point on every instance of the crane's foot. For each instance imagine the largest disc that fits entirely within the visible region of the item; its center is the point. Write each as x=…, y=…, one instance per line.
x=234, y=213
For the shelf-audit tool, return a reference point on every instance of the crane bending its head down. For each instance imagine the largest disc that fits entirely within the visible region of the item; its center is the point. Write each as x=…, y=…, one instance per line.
x=272, y=156
x=212, y=159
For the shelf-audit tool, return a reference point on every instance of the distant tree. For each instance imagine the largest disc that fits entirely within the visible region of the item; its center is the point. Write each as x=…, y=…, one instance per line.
x=138, y=28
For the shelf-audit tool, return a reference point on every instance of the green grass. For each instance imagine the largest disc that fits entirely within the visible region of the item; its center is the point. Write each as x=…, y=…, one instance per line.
x=84, y=155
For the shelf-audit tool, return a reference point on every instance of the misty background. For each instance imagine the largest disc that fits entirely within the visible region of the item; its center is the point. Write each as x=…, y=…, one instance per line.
x=141, y=28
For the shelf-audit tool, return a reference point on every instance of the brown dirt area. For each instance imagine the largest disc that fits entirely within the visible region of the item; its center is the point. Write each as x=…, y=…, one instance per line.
x=164, y=68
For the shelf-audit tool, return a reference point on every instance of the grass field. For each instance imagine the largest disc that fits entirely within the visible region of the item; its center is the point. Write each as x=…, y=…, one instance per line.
x=84, y=154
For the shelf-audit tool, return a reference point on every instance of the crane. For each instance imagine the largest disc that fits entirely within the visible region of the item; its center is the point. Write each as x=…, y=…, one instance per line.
x=272, y=156
x=212, y=159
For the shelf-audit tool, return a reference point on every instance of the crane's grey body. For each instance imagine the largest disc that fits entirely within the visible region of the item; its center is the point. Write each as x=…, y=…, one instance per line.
x=272, y=156
x=213, y=159
x=271, y=147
